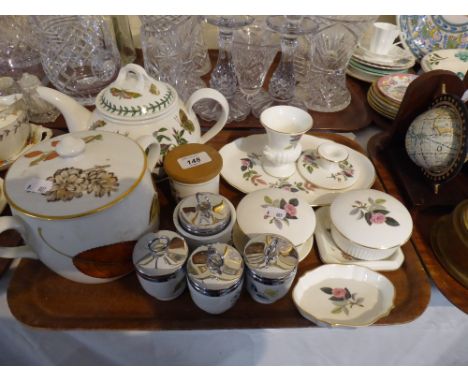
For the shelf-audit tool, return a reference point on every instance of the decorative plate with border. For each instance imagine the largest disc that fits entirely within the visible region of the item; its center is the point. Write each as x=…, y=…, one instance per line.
x=455, y=60
x=330, y=253
x=425, y=34
x=394, y=86
x=242, y=169
x=343, y=295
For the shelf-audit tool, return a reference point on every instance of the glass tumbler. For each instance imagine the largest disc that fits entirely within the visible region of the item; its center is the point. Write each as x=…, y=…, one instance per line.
x=79, y=54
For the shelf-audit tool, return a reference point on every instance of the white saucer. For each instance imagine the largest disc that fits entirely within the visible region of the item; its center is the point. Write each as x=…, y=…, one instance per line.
x=330, y=253
x=455, y=60
x=243, y=170
x=3, y=201
x=309, y=167
x=38, y=134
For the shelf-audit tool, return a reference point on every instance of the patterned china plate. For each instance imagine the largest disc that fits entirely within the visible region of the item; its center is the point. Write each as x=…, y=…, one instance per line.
x=309, y=167
x=383, y=102
x=394, y=86
x=343, y=295
x=243, y=170
x=425, y=34
x=38, y=134
x=3, y=201
x=455, y=60
x=330, y=253
x=372, y=70
x=360, y=75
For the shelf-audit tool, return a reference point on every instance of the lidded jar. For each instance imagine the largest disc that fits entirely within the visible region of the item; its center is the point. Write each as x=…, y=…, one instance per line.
x=215, y=277
x=204, y=218
x=159, y=260
x=192, y=168
x=271, y=262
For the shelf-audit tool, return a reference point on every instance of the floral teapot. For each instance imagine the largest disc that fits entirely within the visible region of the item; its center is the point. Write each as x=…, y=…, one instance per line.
x=136, y=105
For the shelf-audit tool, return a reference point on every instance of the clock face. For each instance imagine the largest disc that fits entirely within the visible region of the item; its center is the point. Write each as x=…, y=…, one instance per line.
x=436, y=139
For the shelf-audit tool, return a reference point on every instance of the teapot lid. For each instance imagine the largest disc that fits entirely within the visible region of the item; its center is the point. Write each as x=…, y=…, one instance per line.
x=74, y=175
x=135, y=96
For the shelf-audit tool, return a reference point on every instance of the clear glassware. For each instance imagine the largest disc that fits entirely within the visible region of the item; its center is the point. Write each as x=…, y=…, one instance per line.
x=124, y=39
x=331, y=48
x=201, y=57
x=19, y=51
x=253, y=50
x=169, y=50
x=223, y=77
x=79, y=54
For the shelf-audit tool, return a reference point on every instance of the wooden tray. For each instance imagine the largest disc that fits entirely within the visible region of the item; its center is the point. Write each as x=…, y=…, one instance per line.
x=356, y=116
x=423, y=219
x=40, y=298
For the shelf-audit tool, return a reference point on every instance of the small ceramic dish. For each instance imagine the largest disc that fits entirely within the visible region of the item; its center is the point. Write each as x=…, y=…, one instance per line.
x=369, y=224
x=204, y=218
x=455, y=60
x=274, y=211
x=3, y=201
x=330, y=253
x=328, y=166
x=215, y=277
x=242, y=169
x=159, y=260
x=343, y=295
x=38, y=134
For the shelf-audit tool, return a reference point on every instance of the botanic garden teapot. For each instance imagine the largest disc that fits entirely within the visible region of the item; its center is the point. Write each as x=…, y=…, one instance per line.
x=136, y=105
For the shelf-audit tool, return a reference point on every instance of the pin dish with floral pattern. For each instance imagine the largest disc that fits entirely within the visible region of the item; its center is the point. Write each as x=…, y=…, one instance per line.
x=343, y=295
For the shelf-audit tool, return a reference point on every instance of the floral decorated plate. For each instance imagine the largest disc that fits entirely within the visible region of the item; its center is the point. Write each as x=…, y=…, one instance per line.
x=455, y=60
x=3, y=201
x=38, y=134
x=343, y=175
x=394, y=86
x=343, y=295
x=425, y=34
x=330, y=253
x=242, y=169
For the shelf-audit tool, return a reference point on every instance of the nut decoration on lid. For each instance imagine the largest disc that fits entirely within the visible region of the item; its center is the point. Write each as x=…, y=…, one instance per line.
x=215, y=266
x=204, y=214
x=161, y=253
x=271, y=256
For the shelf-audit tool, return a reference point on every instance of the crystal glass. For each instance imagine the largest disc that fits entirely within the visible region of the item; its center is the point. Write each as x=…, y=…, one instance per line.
x=331, y=48
x=79, y=54
x=169, y=50
x=19, y=48
x=223, y=77
x=201, y=58
x=124, y=39
x=253, y=51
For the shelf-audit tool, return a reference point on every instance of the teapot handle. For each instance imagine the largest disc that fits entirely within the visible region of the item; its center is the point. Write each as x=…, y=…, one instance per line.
x=141, y=75
x=217, y=96
x=12, y=222
x=154, y=153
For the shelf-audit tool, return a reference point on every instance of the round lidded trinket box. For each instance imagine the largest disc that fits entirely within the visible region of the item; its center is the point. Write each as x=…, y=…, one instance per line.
x=159, y=260
x=215, y=277
x=275, y=211
x=192, y=168
x=204, y=218
x=369, y=224
x=271, y=262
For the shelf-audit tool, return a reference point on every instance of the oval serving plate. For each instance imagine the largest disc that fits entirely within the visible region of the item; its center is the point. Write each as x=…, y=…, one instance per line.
x=343, y=295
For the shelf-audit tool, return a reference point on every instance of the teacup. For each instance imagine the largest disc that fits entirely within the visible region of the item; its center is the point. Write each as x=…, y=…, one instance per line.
x=383, y=36
x=284, y=126
x=14, y=127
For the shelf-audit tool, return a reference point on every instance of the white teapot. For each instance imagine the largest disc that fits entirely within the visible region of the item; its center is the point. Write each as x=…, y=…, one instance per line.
x=136, y=105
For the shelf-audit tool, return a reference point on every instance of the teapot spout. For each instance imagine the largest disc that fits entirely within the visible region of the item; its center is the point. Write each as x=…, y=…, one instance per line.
x=76, y=116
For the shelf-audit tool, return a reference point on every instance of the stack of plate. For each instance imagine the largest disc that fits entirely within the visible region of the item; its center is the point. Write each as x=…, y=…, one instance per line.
x=385, y=94
x=368, y=66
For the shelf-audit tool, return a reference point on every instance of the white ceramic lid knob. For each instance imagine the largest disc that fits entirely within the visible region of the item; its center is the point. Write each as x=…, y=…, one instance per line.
x=70, y=146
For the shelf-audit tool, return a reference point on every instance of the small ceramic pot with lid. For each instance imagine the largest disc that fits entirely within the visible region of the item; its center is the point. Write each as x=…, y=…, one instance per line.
x=215, y=277
x=192, y=168
x=159, y=260
x=204, y=218
x=369, y=224
x=271, y=262
x=275, y=211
